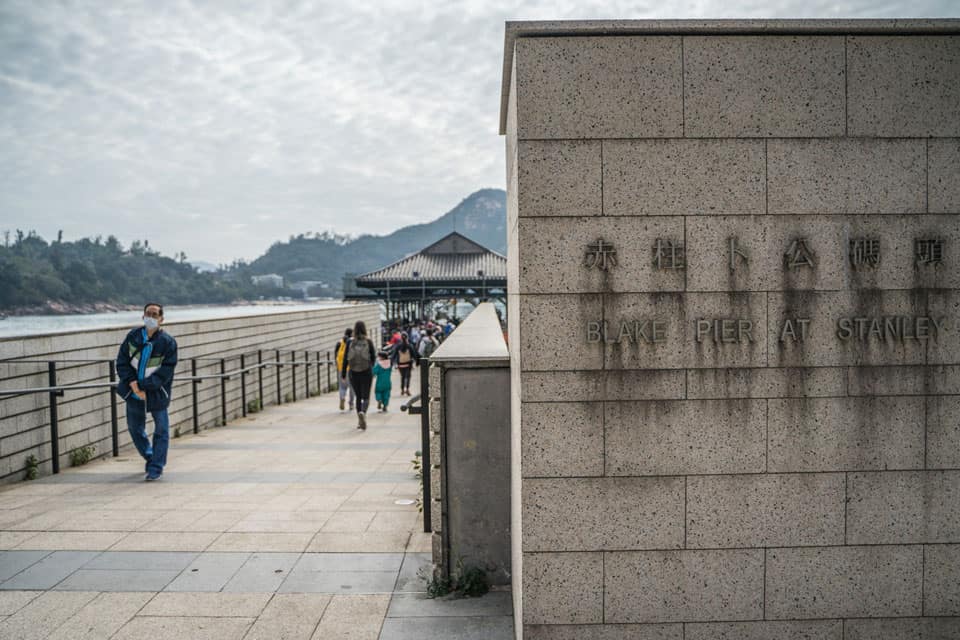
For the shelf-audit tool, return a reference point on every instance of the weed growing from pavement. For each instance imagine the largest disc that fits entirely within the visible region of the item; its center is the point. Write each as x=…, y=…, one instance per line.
x=82, y=455
x=32, y=468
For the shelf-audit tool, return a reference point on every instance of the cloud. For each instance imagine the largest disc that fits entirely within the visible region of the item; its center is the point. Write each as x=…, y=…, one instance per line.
x=216, y=128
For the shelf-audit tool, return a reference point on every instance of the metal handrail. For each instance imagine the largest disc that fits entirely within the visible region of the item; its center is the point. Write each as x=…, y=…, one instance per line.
x=408, y=406
x=70, y=360
x=58, y=390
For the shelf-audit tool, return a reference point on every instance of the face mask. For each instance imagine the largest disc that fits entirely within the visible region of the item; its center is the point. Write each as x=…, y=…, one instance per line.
x=150, y=323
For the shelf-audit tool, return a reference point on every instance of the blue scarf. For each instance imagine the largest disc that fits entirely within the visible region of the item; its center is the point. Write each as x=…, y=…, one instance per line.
x=144, y=356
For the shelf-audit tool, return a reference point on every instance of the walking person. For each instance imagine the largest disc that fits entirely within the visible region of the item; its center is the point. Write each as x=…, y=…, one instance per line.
x=145, y=364
x=428, y=344
x=382, y=372
x=359, y=361
x=340, y=354
x=405, y=358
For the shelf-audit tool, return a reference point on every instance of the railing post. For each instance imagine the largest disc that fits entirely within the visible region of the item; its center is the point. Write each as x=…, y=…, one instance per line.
x=306, y=372
x=260, y=377
x=279, y=392
x=293, y=374
x=329, y=385
x=318, y=376
x=223, y=392
x=243, y=384
x=193, y=385
x=425, y=439
x=114, y=431
x=54, y=435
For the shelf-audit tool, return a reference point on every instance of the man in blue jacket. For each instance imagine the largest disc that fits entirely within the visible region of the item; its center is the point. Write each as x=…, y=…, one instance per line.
x=145, y=365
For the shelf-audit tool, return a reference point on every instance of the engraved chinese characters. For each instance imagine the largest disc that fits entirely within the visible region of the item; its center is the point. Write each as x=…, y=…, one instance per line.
x=600, y=255
x=649, y=322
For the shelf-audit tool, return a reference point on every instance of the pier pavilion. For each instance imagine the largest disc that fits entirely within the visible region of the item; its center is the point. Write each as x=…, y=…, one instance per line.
x=453, y=267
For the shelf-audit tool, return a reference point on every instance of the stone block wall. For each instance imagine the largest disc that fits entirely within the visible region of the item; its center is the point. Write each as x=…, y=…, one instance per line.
x=751, y=437
x=84, y=415
x=470, y=452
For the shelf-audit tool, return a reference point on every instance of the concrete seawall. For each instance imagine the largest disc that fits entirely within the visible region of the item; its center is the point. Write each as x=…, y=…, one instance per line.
x=84, y=415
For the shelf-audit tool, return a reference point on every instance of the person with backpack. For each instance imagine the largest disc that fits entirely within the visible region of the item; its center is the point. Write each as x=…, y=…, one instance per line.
x=359, y=361
x=340, y=355
x=428, y=344
x=404, y=357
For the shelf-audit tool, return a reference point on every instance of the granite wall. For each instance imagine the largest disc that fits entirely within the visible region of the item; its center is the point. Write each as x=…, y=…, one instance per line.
x=739, y=416
x=84, y=415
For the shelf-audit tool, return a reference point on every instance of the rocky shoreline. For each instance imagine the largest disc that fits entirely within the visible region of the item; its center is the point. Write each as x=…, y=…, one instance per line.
x=57, y=308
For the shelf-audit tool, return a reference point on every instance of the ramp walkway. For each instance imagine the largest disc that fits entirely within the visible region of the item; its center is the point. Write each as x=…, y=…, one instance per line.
x=287, y=524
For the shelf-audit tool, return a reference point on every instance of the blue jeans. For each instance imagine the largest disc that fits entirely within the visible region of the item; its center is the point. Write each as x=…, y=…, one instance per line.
x=156, y=456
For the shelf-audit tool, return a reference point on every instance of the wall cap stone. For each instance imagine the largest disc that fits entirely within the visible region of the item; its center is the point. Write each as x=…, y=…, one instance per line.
x=567, y=28
x=478, y=339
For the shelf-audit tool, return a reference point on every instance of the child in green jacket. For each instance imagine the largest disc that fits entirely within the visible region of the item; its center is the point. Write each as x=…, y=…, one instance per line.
x=382, y=371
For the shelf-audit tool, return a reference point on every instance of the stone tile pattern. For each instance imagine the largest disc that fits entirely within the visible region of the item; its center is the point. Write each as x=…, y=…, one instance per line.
x=729, y=486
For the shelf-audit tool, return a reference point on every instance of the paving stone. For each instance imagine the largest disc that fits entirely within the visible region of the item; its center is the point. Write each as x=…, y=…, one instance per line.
x=73, y=540
x=114, y=580
x=353, y=617
x=141, y=561
x=13, y=539
x=179, y=628
x=262, y=542
x=13, y=562
x=13, y=601
x=348, y=521
x=263, y=572
x=366, y=542
x=339, y=582
x=209, y=572
x=101, y=617
x=349, y=562
x=214, y=605
x=43, y=615
x=50, y=571
x=486, y=628
x=289, y=616
x=182, y=541
x=409, y=605
x=414, y=572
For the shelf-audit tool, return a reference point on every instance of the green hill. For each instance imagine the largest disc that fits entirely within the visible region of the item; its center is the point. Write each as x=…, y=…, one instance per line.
x=481, y=216
x=39, y=276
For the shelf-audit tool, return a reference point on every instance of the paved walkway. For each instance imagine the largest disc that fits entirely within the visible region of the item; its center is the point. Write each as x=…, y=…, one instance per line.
x=288, y=524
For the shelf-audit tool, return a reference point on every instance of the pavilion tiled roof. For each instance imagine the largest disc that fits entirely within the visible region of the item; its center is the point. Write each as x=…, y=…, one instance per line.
x=450, y=259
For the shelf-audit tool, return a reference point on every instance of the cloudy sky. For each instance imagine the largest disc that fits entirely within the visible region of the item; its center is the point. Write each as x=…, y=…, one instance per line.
x=217, y=128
